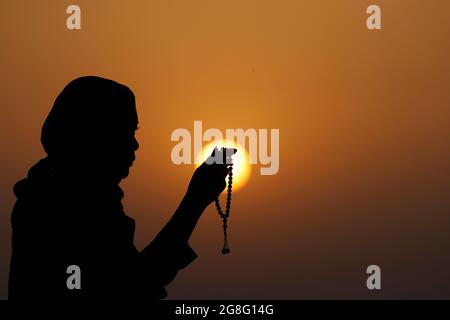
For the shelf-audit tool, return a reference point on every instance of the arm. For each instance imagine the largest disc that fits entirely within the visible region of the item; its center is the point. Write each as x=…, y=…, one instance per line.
x=183, y=222
x=170, y=251
x=207, y=183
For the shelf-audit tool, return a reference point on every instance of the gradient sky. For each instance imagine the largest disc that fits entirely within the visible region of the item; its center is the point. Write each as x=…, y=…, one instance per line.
x=364, y=119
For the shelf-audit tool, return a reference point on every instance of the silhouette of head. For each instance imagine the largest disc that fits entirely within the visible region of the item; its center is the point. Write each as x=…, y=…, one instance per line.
x=90, y=129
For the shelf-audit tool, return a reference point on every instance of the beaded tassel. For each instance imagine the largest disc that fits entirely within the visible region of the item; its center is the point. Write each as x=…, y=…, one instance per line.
x=225, y=215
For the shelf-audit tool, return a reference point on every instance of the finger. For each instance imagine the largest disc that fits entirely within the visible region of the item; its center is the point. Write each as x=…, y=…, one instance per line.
x=224, y=171
x=227, y=154
x=212, y=158
x=224, y=155
x=220, y=171
x=214, y=151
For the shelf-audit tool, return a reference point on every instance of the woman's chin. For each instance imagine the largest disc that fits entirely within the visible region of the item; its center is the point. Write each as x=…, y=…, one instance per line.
x=119, y=175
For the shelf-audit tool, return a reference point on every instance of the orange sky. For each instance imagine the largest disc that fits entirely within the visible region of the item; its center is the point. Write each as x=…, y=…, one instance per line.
x=364, y=132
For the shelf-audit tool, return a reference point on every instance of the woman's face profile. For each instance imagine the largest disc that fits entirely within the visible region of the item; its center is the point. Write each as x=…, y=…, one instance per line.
x=120, y=153
x=91, y=129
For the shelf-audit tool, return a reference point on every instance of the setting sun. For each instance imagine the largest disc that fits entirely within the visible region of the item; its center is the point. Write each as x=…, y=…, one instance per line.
x=241, y=166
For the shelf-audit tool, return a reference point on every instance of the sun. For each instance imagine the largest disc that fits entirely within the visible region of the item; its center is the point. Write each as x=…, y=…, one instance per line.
x=241, y=166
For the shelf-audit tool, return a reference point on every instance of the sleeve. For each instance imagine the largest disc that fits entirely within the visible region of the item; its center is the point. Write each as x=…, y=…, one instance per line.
x=160, y=262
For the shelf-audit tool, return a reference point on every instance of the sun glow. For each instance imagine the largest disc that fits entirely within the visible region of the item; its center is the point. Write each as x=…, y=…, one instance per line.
x=241, y=166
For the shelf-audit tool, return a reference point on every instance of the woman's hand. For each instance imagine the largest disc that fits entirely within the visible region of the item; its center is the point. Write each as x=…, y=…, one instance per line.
x=208, y=180
x=206, y=185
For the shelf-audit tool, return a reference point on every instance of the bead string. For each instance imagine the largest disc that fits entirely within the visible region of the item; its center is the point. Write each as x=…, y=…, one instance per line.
x=225, y=215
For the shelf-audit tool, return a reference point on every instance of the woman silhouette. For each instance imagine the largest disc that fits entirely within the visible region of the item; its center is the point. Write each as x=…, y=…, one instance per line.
x=69, y=211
